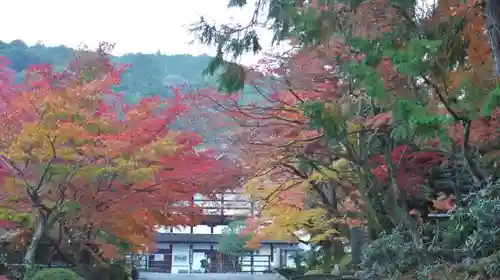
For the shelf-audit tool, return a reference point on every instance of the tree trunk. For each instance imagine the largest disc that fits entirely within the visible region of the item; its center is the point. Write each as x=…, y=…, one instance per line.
x=491, y=12
x=29, y=257
x=338, y=250
x=327, y=256
x=357, y=239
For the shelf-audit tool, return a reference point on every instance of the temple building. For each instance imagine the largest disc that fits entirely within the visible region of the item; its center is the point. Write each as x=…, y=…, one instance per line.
x=194, y=249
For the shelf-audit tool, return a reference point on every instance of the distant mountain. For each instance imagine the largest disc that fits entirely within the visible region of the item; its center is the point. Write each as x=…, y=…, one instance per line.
x=149, y=74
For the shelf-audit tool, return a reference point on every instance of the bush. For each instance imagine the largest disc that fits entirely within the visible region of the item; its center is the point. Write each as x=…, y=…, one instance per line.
x=390, y=255
x=324, y=277
x=56, y=274
x=112, y=272
x=315, y=272
x=465, y=246
x=118, y=272
x=288, y=272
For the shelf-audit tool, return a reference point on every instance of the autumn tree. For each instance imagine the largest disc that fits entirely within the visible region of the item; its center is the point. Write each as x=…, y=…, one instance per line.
x=233, y=242
x=422, y=99
x=75, y=156
x=300, y=186
x=291, y=18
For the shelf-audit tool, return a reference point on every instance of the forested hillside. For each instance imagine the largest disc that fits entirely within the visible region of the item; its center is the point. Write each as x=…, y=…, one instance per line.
x=149, y=73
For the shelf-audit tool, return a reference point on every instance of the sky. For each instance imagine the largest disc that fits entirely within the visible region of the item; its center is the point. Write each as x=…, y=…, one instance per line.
x=135, y=26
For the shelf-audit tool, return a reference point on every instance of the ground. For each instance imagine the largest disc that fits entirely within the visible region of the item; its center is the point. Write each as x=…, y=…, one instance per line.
x=208, y=276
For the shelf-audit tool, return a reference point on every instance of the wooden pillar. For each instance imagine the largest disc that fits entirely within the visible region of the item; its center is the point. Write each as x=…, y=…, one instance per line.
x=190, y=258
x=251, y=263
x=357, y=238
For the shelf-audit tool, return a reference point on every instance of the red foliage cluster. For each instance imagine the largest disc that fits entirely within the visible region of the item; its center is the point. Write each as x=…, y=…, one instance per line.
x=411, y=167
x=126, y=208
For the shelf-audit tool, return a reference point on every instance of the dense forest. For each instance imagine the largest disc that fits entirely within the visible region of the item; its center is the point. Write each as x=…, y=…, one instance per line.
x=148, y=74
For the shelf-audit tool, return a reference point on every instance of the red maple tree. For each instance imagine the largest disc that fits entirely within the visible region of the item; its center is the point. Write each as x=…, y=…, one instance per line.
x=68, y=140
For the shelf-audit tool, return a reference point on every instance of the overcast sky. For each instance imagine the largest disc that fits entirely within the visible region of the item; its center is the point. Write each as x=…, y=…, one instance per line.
x=135, y=26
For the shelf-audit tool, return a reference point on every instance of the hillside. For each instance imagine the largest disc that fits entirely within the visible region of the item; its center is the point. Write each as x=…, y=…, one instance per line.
x=149, y=73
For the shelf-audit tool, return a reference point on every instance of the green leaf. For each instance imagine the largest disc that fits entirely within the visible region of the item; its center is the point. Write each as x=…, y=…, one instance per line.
x=232, y=79
x=491, y=102
x=236, y=3
x=363, y=45
x=405, y=4
x=412, y=60
x=417, y=119
x=319, y=119
x=71, y=206
x=366, y=77
x=401, y=132
x=232, y=243
x=57, y=169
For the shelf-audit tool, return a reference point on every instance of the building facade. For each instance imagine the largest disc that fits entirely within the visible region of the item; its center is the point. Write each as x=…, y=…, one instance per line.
x=194, y=249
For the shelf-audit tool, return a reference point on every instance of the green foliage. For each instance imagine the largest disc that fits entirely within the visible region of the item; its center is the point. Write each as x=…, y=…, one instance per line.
x=232, y=77
x=345, y=262
x=467, y=243
x=366, y=77
x=236, y=3
x=55, y=274
x=314, y=272
x=334, y=126
x=390, y=256
x=435, y=65
x=288, y=273
x=235, y=40
x=232, y=243
x=475, y=227
x=149, y=74
x=25, y=219
x=411, y=118
x=112, y=272
x=492, y=102
x=111, y=239
x=413, y=60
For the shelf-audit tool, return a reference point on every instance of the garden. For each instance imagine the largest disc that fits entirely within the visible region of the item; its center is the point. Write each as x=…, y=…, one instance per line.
x=372, y=142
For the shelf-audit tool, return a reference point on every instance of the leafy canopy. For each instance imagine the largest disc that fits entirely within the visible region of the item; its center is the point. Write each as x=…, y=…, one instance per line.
x=76, y=156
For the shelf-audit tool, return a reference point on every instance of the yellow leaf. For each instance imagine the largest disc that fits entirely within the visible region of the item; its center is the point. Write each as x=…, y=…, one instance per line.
x=324, y=175
x=352, y=135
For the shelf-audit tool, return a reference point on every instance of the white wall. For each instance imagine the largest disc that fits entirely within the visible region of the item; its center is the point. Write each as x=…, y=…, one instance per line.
x=180, y=257
x=265, y=249
x=163, y=229
x=219, y=229
x=261, y=258
x=181, y=230
x=162, y=246
x=288, y=261
x=277, y=255
x=201, y=246
x=246, y=263
x=203, y=229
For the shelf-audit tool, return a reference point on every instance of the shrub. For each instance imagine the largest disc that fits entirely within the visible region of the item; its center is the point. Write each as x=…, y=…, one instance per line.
x=315, y=272
x=463, y=247
x=288, y=272
x=390, y=255
x=56, y=274
x=112, y=272
x=118, y=272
